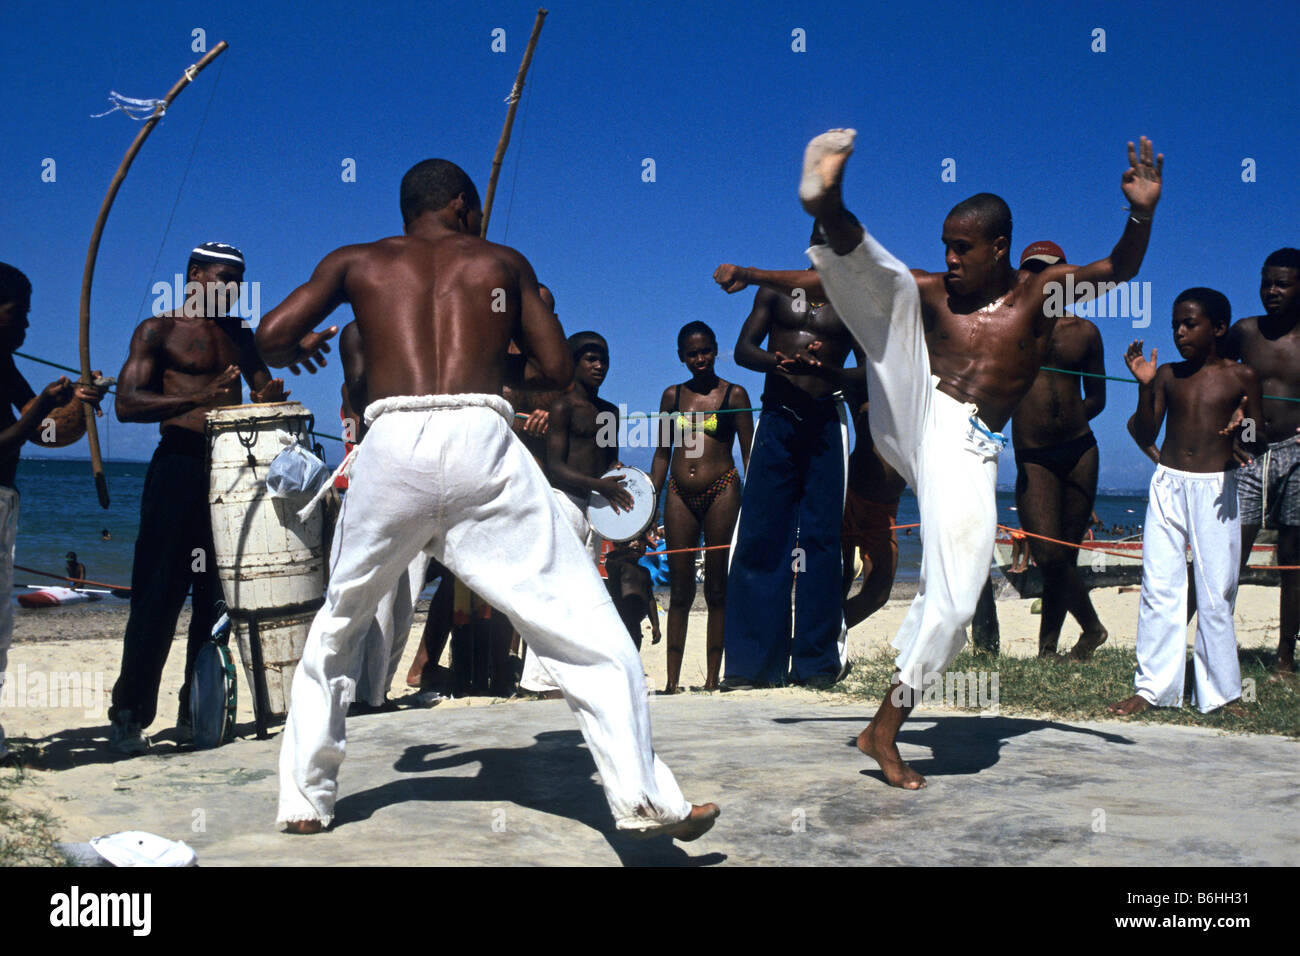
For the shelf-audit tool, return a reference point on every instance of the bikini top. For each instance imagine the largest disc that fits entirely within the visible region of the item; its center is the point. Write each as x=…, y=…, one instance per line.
x=709, y=423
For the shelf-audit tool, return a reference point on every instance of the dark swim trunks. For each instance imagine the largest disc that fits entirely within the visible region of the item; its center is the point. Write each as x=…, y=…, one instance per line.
x=1276, y=501
x=1058, y=459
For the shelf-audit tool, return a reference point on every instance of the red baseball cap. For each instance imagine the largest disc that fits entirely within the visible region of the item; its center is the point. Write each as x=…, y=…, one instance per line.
x=1043, y=251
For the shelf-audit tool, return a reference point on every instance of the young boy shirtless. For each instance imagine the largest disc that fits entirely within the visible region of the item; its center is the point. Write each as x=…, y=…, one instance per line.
x=576, y=457
x=1193, y=500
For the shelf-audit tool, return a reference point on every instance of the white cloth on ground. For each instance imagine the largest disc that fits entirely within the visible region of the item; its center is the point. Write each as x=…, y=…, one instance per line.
x=932, y=440
x=1200, y=509
x=534, y=677
x=381, y=651
x=445, y=474
x=8, y=534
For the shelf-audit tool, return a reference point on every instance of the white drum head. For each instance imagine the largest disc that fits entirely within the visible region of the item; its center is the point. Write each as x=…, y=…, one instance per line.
x=621, y=526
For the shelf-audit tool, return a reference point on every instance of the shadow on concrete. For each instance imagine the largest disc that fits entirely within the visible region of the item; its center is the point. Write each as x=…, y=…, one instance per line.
x=552, y=776
x=960, y=745
x=84, y=746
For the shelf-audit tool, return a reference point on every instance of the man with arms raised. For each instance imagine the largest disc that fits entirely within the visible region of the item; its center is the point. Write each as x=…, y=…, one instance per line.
x=949, y=356
x=441, y=470
x=1270, y=344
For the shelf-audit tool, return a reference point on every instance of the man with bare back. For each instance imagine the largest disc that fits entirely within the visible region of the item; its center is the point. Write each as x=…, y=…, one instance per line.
x=181, y=364
x=949, y=356
x=1057, y=462
x=792, y=505
x=441, y=470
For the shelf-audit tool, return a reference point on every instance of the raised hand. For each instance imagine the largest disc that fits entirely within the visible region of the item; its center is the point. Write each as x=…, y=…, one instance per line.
x=1143, y=370
x=1141, y=181
x=311, y=349
x=730, y=277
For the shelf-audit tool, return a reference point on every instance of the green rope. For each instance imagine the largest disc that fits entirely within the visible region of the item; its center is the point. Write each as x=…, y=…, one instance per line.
x=1133, y=381
x=65, y=368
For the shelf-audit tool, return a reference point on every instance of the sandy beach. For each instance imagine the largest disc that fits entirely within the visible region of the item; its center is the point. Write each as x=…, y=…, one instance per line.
x=86, y=640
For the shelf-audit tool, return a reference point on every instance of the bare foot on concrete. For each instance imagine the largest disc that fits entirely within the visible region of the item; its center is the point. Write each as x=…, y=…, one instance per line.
x=1130, y=706
x=1088, y=642
x=693, y=827
x=303, y=827
x=885, y=752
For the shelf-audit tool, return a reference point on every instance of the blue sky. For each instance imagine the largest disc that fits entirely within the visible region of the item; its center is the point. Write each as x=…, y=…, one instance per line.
x=714, y=94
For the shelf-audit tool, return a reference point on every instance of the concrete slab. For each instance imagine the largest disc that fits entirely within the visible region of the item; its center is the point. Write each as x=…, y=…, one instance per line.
x=513, y=783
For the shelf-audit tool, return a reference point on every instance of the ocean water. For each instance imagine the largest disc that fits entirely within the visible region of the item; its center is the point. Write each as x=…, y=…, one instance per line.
x=59, y=512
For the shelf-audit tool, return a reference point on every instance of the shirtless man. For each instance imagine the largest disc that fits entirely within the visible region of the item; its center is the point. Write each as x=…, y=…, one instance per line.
x=180, y=365
x=980, y=333
x=792, y=505
x=441, y=470
x=1270, y=344
x=59, y=397
x=1056, y=464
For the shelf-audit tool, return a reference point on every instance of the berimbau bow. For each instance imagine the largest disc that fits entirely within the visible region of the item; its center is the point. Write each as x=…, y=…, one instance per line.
x=92, y=433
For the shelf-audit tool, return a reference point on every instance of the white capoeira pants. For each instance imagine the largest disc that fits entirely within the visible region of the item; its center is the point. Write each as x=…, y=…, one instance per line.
x=535, y=678
x=446, y=475
x=1200, y=509
x=936, y=443
x=381, y=651
x=8, y=534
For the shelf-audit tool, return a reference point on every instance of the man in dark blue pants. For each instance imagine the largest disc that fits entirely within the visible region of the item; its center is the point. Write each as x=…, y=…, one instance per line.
x=793, y=501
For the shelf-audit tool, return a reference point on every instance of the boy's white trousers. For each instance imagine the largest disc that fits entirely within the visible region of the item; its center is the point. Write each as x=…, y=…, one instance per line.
x=445, y=474
x=934, y=442
x=1197, y=509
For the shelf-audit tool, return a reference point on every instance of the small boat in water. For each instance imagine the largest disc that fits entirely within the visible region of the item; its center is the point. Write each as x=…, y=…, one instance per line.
x=1118, y=563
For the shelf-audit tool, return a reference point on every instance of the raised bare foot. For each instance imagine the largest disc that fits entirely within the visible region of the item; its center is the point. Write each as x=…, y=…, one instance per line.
x=1088, y=642
x=303, y=826
x=693, y=827
x=897, y=773
x=823, y=168
x=1130, y=706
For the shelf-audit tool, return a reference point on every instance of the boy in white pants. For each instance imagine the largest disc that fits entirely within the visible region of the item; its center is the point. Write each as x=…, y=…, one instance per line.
x=1195, y=504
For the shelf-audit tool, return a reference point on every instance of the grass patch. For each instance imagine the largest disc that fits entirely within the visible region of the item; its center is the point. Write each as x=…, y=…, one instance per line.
x=27, y=837
x=1029, y=685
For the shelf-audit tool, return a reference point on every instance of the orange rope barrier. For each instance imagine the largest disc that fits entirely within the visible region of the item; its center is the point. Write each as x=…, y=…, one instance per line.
x=1022, y=533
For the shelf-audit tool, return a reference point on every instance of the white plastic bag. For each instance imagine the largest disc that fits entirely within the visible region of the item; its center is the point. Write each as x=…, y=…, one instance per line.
x=295, y=473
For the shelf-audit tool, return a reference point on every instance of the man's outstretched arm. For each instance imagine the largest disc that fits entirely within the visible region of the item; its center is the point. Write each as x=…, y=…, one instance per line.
x=734, y=278
x=285, y=337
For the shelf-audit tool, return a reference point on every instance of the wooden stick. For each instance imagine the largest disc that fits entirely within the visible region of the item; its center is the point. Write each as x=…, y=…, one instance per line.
x=88, y=274
x=515, y=95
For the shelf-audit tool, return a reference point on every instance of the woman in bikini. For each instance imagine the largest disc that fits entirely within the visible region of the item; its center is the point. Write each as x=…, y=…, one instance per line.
x=703, y=488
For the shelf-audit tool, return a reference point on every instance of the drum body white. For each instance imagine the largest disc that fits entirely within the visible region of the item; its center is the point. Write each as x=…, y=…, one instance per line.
x=272, y=566
x=622, y=526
